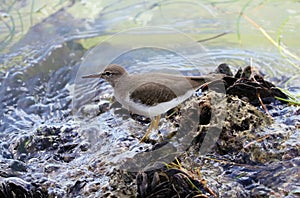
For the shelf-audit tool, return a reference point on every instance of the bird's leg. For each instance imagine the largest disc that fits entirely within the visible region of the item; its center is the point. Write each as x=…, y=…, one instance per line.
x=145, y=137
x=154, y=124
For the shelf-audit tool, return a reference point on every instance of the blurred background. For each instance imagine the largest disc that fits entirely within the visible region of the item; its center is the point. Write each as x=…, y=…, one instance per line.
x=31, y=29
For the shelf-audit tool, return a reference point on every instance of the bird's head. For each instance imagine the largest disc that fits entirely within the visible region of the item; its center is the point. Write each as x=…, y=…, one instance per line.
x=112, y=74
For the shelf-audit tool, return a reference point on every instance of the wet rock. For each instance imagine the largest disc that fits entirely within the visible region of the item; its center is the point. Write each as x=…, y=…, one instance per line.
x=51, y=168
x=5, y=153
x=15, y=187
x=249, y=83
x=85, y=146
x=121, y=184
x=226, y=123
x=67, y=147
x=241, y=121
x=61, y=141
x=17, y=165
x=76, y=188
x=246, y=137
x=224, y=69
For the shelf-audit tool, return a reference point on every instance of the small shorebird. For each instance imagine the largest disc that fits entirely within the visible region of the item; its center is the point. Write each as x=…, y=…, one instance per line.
x=151, y=94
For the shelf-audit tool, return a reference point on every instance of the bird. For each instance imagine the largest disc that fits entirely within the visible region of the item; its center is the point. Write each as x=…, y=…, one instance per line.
x=150, y=94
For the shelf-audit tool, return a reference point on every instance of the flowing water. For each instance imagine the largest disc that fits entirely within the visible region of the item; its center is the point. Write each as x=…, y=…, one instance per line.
x=46, y=47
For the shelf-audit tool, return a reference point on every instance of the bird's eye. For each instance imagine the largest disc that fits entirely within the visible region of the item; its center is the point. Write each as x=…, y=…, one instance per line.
x=108, y=73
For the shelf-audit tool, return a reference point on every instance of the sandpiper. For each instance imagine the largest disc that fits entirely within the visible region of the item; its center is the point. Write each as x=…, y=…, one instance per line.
x=151, y=94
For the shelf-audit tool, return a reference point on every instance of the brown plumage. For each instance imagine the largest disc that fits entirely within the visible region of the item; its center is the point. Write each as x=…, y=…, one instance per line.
x=151, y=94
x=139, y=93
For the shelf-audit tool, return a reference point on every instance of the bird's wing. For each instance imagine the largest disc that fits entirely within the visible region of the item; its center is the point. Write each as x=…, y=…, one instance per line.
x=152, y=93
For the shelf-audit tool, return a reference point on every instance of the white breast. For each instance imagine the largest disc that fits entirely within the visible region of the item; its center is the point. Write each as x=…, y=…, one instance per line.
x=152, y=111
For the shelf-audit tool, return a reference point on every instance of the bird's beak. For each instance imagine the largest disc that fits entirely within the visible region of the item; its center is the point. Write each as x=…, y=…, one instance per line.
x=93, y=76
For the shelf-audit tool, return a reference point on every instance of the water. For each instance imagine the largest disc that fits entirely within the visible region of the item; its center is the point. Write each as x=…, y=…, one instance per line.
x=44, y=49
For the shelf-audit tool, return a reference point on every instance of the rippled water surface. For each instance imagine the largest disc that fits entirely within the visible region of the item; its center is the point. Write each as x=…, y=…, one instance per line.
x=45, y=46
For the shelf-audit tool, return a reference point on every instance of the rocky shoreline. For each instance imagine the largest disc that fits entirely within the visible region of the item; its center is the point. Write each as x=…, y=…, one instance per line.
x=253, y=155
